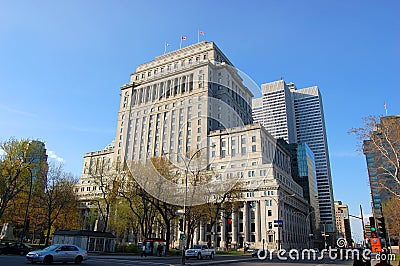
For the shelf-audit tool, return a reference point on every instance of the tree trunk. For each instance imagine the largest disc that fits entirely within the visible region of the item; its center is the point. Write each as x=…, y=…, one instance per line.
x=167, y=234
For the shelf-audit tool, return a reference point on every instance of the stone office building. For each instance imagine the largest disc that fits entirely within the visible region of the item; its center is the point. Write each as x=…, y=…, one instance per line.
x=193, y=99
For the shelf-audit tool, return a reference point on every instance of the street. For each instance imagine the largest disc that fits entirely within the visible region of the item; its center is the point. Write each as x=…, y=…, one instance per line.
x=239, y=260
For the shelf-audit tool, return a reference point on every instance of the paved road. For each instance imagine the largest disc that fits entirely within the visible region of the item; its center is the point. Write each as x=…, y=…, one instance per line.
x=238, y=260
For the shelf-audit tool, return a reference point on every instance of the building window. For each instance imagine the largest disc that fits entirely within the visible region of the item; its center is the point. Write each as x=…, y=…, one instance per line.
x=270, y=226
x=243, y=150
x=253, y=148
x=269, y=212
x=253, y=139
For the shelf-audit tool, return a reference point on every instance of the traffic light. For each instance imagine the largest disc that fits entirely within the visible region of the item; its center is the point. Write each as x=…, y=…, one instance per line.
x=381, y=227
x=181, y=225
x=373, y=228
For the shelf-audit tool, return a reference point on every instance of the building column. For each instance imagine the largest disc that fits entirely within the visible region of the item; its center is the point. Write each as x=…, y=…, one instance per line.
x=223, y=231
x=245, y=222
x=257, y=221
x=234, y=228
x=263, y=218
x=196, y=235
x=202, y=238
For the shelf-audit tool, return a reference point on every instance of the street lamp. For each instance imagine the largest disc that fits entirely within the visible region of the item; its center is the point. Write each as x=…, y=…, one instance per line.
x=187, y=165
x=324, y=235
x=277, y=204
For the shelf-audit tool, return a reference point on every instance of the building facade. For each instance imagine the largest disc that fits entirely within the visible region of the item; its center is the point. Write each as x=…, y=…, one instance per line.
x=343, y=222
x=193, y=99
x=303, y=172
x=381, y=151
x=262, y=167
x=297, y=116
x=173, y=102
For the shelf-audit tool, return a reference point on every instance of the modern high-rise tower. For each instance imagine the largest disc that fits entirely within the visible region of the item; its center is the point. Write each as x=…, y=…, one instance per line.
x=297, y=115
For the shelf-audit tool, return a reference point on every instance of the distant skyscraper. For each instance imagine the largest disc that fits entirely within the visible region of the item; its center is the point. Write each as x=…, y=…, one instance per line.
x=297, y=116
x=36, y=155
x=275, y=111
x=343, y=221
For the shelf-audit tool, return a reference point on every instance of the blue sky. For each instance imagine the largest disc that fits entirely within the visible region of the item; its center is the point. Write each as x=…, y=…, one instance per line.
x=62, y=64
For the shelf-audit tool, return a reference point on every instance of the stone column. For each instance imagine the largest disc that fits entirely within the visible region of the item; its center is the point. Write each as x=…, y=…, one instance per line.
x=245, y=222
x=202, y=235
x=263, y=220
x=234, y=228
x=196, y=235
x=223, y=231
x=257, y=221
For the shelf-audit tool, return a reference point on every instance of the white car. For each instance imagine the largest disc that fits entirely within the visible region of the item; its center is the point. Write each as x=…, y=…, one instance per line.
x=58, y=253
x=200, y=251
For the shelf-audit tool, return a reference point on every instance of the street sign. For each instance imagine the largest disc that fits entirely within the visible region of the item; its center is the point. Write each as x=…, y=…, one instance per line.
x=278, y=223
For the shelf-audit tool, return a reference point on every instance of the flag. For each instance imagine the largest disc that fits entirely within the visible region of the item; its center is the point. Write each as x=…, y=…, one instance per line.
x=184, y=38
x=201, y=32
x=384, y=104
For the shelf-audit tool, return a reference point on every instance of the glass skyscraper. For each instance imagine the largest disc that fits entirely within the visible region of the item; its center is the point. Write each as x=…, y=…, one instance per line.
x=297, y=115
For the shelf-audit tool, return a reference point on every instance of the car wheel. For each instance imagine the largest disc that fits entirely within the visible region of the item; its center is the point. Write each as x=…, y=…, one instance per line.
x=78, y=260
x=22, y=253
x=199, y=257
x=48, y=260
x=212, y=255
x=187, y=258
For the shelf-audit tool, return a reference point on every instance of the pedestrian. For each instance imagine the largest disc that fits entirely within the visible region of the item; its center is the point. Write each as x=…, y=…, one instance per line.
x=144, y=251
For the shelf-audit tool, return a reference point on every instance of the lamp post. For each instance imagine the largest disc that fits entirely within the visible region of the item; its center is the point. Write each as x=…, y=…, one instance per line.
x=187, y=165
x=325, y=235
x=277, y=204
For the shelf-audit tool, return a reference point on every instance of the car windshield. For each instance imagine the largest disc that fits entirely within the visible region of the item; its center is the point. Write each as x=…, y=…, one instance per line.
x=51, y=248
x=197, y=247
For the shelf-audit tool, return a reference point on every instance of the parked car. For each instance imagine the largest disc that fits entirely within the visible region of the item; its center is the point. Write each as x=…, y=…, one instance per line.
x=15, y=248
x=58, y=253
x=200, y=251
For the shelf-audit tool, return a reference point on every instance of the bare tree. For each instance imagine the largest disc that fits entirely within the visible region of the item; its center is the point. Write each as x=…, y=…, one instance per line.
x=106, y=176
x=139, y=206
x=54, y=194
x=380, y=137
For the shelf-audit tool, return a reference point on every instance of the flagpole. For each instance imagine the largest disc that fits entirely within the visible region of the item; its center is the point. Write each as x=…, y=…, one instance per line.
x=198, y=35
x=180, y=46
x=385, y=108
x=165, y=47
